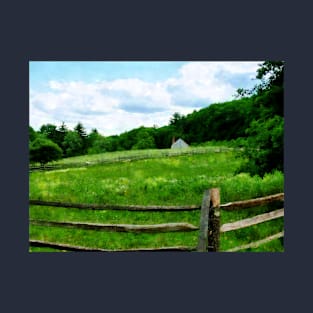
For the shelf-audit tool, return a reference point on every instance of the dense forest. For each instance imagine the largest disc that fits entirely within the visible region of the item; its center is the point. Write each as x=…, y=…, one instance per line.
x=254, y=119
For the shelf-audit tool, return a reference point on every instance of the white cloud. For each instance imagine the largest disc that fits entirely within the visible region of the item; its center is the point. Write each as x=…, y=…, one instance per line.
x=123, y=104
x=240, y=67
x=201, y=80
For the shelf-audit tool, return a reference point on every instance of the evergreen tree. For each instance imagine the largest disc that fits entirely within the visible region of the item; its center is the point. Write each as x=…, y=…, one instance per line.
x=80, y=130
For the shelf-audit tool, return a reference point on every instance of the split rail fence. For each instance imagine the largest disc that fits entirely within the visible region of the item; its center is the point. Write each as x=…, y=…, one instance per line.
x=209, y=228
x=132, y=157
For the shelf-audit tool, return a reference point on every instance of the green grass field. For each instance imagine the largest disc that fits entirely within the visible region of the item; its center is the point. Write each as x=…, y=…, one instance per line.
x=175, y=180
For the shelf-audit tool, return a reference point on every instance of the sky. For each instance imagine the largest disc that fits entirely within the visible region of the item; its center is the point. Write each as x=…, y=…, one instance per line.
x=118, y=96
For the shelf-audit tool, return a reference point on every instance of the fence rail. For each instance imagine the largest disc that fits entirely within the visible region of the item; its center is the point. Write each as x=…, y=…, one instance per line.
x=252, y=221
x=90, y=206
x=67, y=247
x=256, y=244
x=129, y=158
x=252, y=202
x=209, y=227
x=154, y=228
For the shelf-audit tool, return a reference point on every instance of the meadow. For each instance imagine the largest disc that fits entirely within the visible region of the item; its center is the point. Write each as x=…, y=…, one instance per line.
x=159, y=180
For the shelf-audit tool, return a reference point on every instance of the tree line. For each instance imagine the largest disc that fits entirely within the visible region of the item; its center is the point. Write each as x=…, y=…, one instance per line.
x=254, y=120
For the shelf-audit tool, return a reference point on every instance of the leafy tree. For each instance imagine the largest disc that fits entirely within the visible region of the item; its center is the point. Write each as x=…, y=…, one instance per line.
x=144, y=135
x=163, y=137
x=176, y=118
x=264, y=149
x=54, y=133
x=73, y=144
x=49, y=131
x=177, y=122
x=32, y=135
x=271, y=74
x=144, y=140
x=99, y=144
x=43, y=150
x=128, y=139
x=92, y=137
x=264, y=146
x=111, y=143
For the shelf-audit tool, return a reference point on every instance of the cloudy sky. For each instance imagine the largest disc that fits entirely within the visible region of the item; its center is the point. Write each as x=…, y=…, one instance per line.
x=114, y=97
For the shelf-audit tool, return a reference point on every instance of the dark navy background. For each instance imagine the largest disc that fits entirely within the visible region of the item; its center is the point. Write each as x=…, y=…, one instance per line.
x=155, y=282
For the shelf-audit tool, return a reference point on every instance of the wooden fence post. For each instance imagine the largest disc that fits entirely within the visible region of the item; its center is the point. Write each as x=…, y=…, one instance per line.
x=214, y=220
x=203, y=233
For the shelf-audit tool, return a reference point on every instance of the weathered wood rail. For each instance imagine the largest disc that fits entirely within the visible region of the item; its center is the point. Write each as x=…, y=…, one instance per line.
x=252, y=220
x=209, y=228
x=252, y=202
x=67, y=247
x=88, y=206
x=256, y=244
x=154, y=228
x=211, y=216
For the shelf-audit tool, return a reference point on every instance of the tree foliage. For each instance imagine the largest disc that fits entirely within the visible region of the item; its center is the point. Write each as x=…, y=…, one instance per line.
x=32, y=134
x=264, y=148
x=43, y=150
x=97, y=144
x=144, y=139
x=73, y=144
x=81, y=132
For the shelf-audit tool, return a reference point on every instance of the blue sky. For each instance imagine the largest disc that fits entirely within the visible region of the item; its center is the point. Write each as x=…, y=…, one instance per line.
x=42, y=72
x=118, y=96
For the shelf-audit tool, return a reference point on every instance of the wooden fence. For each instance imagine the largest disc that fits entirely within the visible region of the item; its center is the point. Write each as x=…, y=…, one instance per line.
x=209, y=228
x=132, y=157
x=155, y=228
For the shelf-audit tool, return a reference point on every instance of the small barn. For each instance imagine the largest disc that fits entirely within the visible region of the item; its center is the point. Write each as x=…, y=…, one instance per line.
x=179, y=144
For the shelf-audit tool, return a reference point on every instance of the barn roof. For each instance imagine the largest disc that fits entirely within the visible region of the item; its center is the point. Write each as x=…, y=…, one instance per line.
x=179, y=144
